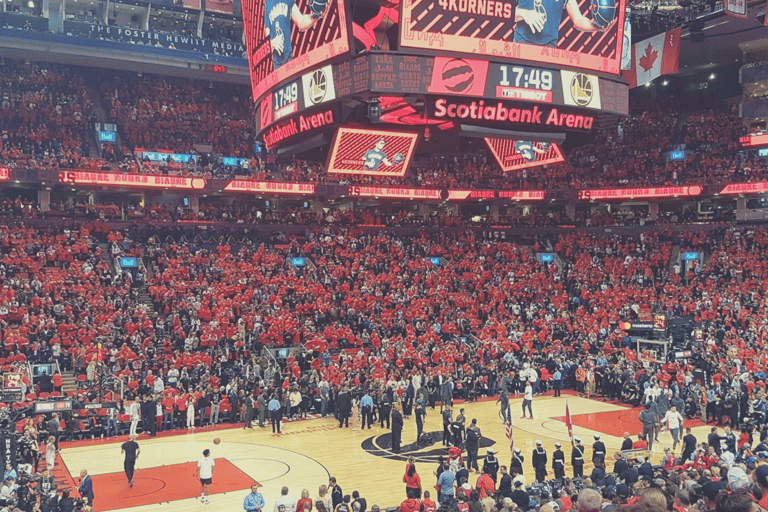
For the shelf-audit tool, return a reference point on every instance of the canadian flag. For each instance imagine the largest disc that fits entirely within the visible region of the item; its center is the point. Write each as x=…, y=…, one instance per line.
x=659, y=55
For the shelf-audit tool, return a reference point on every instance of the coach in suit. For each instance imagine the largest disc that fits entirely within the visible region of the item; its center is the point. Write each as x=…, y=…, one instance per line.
x=397, y=429
x=86, y=486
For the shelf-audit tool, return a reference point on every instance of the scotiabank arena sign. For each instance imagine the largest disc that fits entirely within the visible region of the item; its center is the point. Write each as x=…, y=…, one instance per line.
x=304, y=124
x=507, y=114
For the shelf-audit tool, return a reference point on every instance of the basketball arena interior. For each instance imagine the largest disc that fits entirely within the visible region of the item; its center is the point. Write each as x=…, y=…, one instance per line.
x=367, y=255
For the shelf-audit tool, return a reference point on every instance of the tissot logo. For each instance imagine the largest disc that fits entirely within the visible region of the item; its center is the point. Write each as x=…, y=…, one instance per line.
x=429, y=451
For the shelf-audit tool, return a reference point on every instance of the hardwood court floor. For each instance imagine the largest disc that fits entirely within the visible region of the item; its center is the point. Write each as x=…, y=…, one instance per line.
x=308, y=452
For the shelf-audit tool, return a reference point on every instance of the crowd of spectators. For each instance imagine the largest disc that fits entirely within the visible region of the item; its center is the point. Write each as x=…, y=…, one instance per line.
x=374, y=312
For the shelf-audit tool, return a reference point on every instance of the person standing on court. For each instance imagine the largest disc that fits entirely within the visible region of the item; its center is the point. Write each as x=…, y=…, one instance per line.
x=205, y=472
x=517, y=462
x=558, y=462
x=344, y=406
x=689, y=445
x=472, y=444
x=366, y=409
x=274, y=413
x=249, y=410
x=577, y=458
x=54, y=429
x=86, y=486
x=557, y=381
x=649, y=420
x=539, y=461
x=385, y=409
x=262, y=404
x=337, y=495
x=491, y=463
x=674, y=421
x=131, y=451
x=134, y=410
x=397, y=429
x=504, y=401
x=447, y=415
x=598, y=449
x=254, y=501
x=528, y=399
x=420, y=413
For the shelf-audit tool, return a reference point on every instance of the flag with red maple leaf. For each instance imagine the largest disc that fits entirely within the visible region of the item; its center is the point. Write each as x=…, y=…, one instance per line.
x=659, y=55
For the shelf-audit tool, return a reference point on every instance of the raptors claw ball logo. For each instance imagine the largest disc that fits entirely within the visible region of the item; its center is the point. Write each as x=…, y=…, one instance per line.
x=458, y=75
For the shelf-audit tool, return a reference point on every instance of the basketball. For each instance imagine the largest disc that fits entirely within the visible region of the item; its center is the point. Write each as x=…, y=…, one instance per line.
x=216, y=440
x=398, y=158
x=604, y=12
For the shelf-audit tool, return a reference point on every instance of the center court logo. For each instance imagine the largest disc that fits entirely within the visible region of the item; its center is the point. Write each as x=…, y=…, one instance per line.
x=381, y=446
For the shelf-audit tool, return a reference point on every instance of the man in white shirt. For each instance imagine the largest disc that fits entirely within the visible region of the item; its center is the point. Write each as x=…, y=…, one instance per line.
x=205, y=473
x=528, y=399
x=286, y=501
x=135, y=411
x=674, y=421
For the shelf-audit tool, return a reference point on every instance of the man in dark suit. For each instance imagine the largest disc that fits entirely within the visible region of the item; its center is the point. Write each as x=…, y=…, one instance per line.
x=54, y=428
x=344, y=404
x=86, y=486
x=397, y=429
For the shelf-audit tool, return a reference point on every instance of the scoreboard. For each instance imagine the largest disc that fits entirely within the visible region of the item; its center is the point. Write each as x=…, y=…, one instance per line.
x=542, y=66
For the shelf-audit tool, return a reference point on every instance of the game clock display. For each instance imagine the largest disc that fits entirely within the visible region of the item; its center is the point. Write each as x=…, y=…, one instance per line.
x=286, y=100
x=523, y=83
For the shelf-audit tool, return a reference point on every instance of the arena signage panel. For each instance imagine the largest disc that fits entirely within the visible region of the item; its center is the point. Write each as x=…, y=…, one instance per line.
x=395, y=192
x=642, y=192
x=268, y=187
x=515, y=155
x=745, y=188
x=522, y=195
x=585, y=34
x=503, y=114
x=5, y=174
x=371, y=152
x=752, y=141
x=458, y=195
x=131, y=180
x=286, y=38
x=304, y=123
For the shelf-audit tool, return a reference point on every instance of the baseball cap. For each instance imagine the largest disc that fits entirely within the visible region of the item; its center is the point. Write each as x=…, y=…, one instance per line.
x=761, y=475
x=710, y=490
x=738, y=479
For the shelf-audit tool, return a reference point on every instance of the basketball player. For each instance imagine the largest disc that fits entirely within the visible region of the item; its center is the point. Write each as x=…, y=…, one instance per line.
x=373, y=158
x=131, y=450
x=278, y=16
x=541, y=21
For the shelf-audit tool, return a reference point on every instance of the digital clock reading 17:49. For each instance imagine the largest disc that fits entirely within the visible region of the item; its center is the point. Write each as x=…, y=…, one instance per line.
x=522, y=83
x=286, y=100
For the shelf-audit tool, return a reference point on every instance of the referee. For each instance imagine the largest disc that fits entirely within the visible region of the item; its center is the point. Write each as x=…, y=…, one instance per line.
x=366, y=409
x=275, y=414
x=254, y=502
x=131, y=450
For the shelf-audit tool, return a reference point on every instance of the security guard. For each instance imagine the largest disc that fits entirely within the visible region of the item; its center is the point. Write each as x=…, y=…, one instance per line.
x=598, y=449
x=558, y=462
x=517, y=462
x=577, y=458
x=539, y=460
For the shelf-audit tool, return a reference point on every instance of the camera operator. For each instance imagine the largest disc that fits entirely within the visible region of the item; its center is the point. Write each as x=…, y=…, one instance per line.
x=65, y=503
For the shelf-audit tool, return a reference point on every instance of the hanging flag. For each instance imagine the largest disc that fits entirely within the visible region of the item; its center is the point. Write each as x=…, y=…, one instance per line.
x=659, y=55
x=510, y=435
x=626, y=47
x=568, y=422
x=737, y=8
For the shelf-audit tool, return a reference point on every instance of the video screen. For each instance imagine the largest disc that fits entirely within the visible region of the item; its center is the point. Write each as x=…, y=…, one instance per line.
x=41, y=369
x=285, y=37
x=515, y=155
x=585, y=34
x=371, y=152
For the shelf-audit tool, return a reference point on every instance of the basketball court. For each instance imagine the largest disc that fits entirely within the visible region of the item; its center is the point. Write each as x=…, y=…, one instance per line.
x=309, y=451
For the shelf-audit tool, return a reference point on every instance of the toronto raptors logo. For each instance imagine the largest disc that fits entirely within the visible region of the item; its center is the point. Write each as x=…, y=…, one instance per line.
x=458, y=75
x=424, y=451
